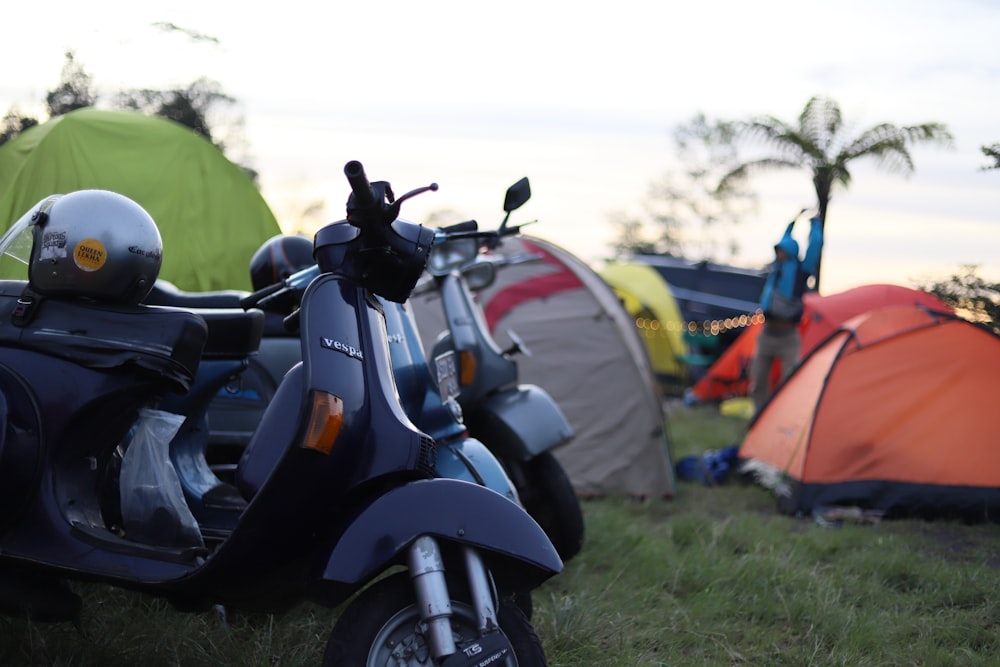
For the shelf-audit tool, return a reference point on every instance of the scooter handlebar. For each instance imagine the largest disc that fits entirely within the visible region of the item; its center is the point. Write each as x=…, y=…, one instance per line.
x=467, y=226
x=358, y=180
x=253, y=299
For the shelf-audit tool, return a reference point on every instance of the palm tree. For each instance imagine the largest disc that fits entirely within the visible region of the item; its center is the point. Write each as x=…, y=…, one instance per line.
x=820, y=143
x=992, y=152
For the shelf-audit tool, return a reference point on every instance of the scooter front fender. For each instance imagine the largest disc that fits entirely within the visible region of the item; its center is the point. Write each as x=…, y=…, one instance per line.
x=453, y=511
x=519, y=423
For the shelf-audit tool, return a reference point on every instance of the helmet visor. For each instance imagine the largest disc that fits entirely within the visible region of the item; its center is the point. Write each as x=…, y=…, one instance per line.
x=16, y=244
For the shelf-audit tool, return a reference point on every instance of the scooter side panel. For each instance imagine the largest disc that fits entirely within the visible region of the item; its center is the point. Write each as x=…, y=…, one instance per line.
x=345, y=353
x=20, y=447
x=520, y=422
x=469, y=460
x=449, y=509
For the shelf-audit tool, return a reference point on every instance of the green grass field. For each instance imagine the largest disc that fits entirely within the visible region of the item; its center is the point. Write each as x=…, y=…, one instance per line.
x=714, y=576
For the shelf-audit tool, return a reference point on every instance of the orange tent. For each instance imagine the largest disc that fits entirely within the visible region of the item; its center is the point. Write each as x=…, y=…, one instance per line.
x=729, y=375
x=894, y=412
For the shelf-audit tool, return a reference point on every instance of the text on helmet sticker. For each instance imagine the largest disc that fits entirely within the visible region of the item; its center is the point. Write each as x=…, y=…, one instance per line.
x=53, y=245
x=90, y=255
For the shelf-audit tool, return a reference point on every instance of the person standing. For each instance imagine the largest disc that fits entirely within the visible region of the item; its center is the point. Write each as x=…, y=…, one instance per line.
x=781, y=303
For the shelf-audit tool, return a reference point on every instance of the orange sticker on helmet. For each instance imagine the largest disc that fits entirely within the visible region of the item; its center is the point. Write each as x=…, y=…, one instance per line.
x=90, y=254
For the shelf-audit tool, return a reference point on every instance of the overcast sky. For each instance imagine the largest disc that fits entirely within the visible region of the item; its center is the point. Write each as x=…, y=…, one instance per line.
x=582, y=101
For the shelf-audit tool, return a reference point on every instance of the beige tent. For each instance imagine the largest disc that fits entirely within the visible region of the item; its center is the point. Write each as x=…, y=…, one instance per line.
x=586, y=353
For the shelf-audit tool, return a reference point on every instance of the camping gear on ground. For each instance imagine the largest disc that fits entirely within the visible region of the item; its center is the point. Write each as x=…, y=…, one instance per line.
x=586, y=354
x=520, y=423
x=894, y=412
x=710, y=468
x=339, y=484
x=728, y=377
x=209, y=212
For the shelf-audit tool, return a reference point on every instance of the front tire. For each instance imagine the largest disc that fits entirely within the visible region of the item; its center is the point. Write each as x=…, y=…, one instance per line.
x=382, y=627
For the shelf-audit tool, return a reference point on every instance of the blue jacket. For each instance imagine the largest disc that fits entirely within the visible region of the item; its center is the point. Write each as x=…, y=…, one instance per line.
x=789, y=277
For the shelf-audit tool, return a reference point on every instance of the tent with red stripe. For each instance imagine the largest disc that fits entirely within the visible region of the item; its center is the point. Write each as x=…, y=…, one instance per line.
x=586, y=353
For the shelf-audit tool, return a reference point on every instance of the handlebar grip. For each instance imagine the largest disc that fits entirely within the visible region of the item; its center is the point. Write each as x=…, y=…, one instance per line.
x=467, y=226
x=362, y=189
x=251, y=300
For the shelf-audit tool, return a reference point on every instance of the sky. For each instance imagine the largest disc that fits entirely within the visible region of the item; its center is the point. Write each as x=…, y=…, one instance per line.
x=582, y=99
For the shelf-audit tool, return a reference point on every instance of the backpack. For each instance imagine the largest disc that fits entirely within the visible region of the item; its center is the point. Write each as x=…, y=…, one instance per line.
x=785, y=308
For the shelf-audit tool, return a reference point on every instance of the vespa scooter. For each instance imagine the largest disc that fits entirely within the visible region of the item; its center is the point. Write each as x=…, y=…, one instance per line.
x=204, y=453
x=339, y=484
x=520, y=423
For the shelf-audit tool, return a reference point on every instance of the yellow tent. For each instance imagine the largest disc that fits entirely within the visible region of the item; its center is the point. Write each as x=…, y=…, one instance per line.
x=647, y=297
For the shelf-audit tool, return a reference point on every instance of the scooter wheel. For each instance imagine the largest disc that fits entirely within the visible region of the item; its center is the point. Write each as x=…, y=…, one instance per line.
x=548, y=496
x=381, y=626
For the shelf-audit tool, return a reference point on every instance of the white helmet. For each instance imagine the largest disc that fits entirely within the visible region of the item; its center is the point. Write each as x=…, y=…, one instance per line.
x=95, y=244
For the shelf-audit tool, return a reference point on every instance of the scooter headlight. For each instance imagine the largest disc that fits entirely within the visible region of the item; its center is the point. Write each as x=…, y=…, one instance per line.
x=326, y=417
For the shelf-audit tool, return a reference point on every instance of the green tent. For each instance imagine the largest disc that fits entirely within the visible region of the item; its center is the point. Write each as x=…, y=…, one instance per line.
x=211, y=216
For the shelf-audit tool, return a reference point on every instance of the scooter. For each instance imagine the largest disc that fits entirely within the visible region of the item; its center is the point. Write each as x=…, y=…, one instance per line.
x=205, y=474
x=520, y=423
x=340, y=485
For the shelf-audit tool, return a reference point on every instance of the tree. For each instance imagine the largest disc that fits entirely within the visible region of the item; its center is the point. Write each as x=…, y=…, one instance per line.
x=190, y=106
x=970, y=295
x=689, y=198
x=196, y=106
x=631, y=238
x=992, y=152
x=14, y=123
x=820, y=142
x=75, y=89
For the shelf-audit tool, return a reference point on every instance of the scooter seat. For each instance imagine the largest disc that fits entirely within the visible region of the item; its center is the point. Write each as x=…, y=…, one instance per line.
x=165, y=342
x=232, y=332
x=165, y=293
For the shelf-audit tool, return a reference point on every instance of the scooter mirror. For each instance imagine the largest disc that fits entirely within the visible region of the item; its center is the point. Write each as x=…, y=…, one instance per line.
x=517, y=195
x=479, y=275
x=452, y=255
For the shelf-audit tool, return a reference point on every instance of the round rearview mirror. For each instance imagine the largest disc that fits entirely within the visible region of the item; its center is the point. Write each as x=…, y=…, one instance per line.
x=480, y=275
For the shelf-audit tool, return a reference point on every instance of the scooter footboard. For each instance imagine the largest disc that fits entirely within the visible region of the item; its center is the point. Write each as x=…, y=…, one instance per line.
x=519, y=423
x=455, y=511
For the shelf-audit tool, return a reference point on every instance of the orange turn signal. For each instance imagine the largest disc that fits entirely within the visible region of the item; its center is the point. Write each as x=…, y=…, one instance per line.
x=466, y=367
x=326, y=417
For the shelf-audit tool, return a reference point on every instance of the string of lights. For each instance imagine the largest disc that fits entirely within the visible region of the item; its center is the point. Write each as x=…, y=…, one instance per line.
x=652, y=326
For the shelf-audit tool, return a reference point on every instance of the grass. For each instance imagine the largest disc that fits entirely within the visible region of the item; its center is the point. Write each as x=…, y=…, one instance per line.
x=713, y=577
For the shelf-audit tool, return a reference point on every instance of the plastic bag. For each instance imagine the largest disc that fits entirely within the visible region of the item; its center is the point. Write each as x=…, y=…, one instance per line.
x=153, y=507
